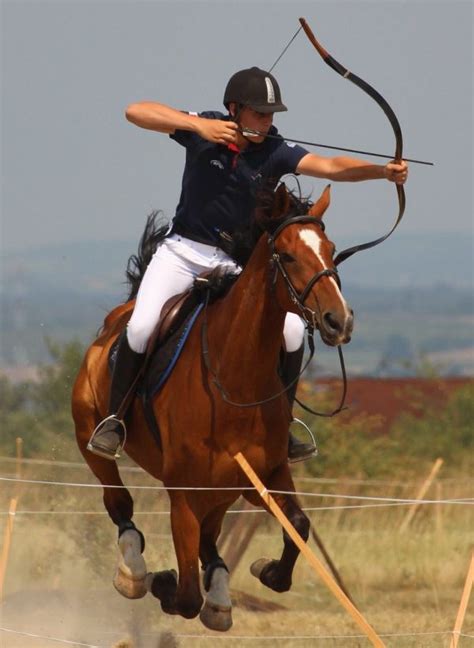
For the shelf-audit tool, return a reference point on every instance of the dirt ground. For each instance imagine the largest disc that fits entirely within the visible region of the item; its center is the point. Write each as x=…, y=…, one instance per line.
x=58, y=587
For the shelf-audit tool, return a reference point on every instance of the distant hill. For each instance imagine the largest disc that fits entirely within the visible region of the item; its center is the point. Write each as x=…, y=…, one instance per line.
x=423, y=259
x=412, y=297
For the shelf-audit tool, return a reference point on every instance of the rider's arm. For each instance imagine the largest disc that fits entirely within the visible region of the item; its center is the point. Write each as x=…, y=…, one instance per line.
x=164, y=119
x=346, y=169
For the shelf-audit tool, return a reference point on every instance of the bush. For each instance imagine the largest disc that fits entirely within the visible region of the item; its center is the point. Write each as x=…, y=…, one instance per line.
x=355, y=446
x=350, y=446
x=446, y=433
x=40, y=412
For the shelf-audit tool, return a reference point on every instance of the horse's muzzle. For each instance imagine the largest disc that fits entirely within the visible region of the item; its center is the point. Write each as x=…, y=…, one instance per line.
x=336, y=328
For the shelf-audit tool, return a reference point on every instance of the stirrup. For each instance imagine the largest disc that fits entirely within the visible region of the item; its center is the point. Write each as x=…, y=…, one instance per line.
x=313, y=441
x=101, y=451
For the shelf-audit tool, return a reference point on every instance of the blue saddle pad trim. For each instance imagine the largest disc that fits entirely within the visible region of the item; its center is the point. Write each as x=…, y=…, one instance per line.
x=177, y=352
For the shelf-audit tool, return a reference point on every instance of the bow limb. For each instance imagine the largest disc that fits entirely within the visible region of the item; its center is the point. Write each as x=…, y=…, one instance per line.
x=368, y=89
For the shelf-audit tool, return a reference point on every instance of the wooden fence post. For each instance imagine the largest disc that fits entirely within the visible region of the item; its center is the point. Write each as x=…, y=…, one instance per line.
x=439, y=507
x=306, y=551
x=421, y=493
x=238, y=543
x=7, y=535
x=463, y=605
x=19, y=456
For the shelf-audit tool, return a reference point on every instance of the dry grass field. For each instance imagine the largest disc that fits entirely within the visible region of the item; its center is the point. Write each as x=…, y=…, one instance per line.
x=408, y=584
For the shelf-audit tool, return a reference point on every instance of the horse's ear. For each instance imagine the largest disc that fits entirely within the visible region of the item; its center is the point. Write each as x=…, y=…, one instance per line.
x=281, y=203
x=318, y=209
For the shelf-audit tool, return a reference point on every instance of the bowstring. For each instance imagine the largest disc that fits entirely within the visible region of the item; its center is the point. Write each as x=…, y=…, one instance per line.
x=287, y=46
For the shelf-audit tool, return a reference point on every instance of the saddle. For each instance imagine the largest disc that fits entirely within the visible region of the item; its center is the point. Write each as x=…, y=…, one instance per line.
x=167, y=340
x=174, y=312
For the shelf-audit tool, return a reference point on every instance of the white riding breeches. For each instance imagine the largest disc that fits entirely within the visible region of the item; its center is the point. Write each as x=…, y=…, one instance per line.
x=172, y=270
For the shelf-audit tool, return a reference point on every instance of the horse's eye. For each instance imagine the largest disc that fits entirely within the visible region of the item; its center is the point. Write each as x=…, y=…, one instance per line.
x=287, y=258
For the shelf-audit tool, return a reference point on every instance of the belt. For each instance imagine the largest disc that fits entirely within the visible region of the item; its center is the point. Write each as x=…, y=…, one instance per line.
x=181, y=230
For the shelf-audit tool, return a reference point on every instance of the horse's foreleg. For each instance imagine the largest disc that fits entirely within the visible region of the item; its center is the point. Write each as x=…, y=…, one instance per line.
x=216, y=613
x=183, y=595
x=186, y=537
x=130, y=574
x=277, y=574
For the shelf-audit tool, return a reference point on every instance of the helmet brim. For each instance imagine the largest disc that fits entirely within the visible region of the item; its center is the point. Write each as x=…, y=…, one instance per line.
x=269, y=108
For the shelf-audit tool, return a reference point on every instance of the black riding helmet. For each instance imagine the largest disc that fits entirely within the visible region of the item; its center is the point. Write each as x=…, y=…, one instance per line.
x=255, y=88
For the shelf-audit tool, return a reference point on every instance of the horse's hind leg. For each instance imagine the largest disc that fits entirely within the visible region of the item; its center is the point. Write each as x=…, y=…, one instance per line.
x=277, y=574
x=130, y=574
x=216, y=612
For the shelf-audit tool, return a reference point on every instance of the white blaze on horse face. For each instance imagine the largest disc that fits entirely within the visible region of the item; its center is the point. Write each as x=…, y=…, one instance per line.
x=313, y=241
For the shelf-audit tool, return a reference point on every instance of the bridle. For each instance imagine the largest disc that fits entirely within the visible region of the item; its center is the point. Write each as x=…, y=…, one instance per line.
x=310, y=324
x=299, y=298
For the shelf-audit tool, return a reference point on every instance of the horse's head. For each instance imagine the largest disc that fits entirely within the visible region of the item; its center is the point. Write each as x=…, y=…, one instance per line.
x=306, y=279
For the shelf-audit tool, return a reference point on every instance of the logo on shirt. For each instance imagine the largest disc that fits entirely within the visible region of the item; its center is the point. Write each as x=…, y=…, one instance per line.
x=217, y=163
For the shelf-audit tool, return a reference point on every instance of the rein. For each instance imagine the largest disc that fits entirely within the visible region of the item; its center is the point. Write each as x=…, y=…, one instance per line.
x=225, y=394
x=310, y=325
x=348, y=252
x=215, y=378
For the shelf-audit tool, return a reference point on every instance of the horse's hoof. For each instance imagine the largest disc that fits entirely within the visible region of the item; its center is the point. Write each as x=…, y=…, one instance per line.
x=129, y=578
x=163, y=584
x=257, y=567
x=129, y=587
x=216, y=617
x=268, y=573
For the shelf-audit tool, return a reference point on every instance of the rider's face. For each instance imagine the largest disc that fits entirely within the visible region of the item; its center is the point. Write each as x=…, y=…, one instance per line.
x=250, y=118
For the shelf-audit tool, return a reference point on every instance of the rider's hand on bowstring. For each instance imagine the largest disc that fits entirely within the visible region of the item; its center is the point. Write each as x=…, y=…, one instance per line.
x=217, y=131
x=396, y=172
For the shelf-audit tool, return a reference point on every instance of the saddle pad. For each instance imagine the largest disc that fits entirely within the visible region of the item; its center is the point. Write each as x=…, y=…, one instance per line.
x=165, y=357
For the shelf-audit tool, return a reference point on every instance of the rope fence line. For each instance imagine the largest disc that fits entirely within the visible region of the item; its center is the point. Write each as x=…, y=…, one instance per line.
x=380, y=482
x=310, y=509
x=456, y=634
x=317, y=637
x=320, y=480
x=381, y=501
x=391, y=500
x=55, y=639
x=239, y=637
x=44, y=482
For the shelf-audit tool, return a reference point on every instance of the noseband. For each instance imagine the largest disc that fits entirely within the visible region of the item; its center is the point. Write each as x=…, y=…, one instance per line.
x=299, y=298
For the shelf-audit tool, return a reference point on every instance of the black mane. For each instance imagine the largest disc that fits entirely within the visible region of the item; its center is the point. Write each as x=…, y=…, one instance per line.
x=156, y=229
x=245, y=239
x=239, y=247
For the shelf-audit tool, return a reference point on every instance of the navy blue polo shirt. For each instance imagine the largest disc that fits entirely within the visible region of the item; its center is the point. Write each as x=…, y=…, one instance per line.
x=219, y=185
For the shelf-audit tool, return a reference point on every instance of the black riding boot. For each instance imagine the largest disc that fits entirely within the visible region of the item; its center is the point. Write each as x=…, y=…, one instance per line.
x=291, y=367
x=109, y=436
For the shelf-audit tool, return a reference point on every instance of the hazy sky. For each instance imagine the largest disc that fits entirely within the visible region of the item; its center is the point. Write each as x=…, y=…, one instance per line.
x=73, y=168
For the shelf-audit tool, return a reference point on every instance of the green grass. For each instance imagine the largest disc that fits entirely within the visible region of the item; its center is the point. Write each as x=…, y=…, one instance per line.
x=61, y=562
x=403, y=583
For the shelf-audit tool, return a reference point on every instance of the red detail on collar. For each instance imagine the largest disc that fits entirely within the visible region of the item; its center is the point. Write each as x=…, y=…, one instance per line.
x=235, y=149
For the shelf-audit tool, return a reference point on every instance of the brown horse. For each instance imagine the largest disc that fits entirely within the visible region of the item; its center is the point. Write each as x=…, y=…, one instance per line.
x=291, y=263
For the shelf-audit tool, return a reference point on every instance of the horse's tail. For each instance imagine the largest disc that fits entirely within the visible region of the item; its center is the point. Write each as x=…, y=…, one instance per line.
x=156, y=229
